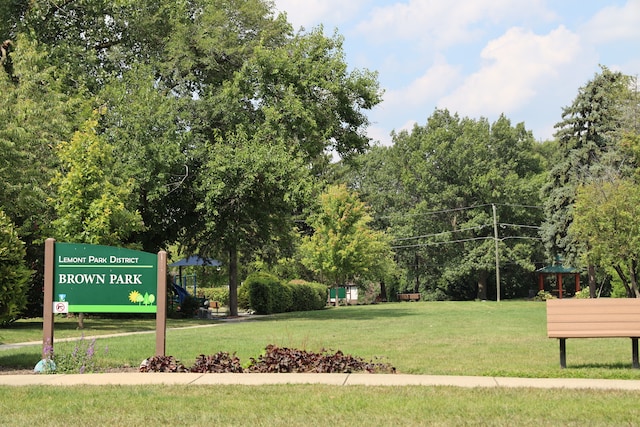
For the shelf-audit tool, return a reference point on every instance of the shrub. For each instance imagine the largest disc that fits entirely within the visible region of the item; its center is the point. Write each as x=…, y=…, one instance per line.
x=221, y=362
x=162, y=364
x=283, y=297
x=584, y=293
x=14, y=274
x=274, y=359
x=261, y=288
x=79, y=361
x=321, y=293
x=185, y=310
x=216, y=294
x=543, y=296
x=286, y=360
x=307, y=295
x=243, y=297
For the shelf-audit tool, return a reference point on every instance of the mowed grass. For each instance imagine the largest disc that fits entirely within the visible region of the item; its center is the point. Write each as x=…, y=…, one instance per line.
x=444, y=338
x=313, y=405
x=449, y=338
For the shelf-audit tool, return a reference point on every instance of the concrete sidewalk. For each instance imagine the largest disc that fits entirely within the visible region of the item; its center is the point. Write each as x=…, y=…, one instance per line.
x=330, y=379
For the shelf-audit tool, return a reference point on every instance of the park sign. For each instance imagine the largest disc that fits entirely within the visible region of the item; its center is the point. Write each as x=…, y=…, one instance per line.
x=81, y=278
x=104, y=279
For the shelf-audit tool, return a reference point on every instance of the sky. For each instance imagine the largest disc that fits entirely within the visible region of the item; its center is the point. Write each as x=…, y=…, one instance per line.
x=525, y=59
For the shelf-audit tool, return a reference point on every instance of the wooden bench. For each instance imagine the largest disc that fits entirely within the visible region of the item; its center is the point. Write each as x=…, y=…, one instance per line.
x=594, y=318
x=409, y=297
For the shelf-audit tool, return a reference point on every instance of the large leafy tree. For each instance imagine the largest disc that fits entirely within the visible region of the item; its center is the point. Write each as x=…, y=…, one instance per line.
x=93, y=202
x=180, y=80
x=249, y=190
x=13, y=270
x=291, y=100
x=589, y=139
x=343, y=247
x=606, y=222
x=36, y=115
x=441, y=181
x=148, y=133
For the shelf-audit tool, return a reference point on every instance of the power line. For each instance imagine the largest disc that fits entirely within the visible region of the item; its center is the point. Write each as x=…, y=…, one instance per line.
x=479, y=227
x=420, y=245
x=440, y=211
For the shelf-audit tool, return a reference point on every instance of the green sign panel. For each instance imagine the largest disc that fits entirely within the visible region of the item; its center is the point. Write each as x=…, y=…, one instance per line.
x=104, y=279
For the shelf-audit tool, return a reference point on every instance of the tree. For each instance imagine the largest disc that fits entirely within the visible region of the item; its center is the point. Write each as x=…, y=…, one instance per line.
x=435, y=188
x=343, y=246
x=606, y=221
x=93, y=203
x=177, y=79
x=249, y=189
x=36, y=115
x=589, y=136
x=148, y=134
x=14, y=272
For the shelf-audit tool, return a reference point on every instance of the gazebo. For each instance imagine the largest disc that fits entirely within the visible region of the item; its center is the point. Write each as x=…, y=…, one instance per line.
x=558, y=269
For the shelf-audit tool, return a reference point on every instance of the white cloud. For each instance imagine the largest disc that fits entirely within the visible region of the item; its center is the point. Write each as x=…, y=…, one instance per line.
x=310, y=13
x=444, y=24
x=515, y=66
x=614, y=23
x=426, y=88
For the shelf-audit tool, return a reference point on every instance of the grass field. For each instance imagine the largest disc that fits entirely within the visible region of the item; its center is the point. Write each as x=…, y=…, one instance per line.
x=450, y=338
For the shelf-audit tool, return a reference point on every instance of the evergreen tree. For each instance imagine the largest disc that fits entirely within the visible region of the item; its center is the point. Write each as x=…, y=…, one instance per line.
x=589, y=141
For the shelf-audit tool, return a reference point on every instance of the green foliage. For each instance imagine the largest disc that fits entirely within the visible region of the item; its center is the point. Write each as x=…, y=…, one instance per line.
x=216, y=294
x=248, y=192
x=307, y=296
x=343, y=246
x=583, y=293
x=189, y=307
x=543, y=296
x=81, y=360
x=261, y=288
x=589, y=141
x=267, y=294
x=606, y=220
x=14, y=274
x=92, y=201
x=243, y=297
x=433, y=191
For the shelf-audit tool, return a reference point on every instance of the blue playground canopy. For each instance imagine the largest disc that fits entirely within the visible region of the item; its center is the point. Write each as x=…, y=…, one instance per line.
x=196, y=260
x=193, y=260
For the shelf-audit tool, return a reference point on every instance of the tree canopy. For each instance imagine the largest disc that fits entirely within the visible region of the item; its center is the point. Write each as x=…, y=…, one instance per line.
x=343, y=247
x=209, y=125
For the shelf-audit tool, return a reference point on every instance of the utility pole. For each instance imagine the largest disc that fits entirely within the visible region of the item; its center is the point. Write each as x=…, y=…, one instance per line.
x=495, y=238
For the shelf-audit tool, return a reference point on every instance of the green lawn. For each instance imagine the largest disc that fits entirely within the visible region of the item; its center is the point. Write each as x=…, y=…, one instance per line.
x=451, y=338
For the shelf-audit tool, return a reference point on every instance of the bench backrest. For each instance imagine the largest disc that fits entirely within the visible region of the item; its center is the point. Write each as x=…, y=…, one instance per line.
x=593, y=318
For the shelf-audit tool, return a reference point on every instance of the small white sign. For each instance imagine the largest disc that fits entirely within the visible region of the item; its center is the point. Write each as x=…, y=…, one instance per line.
x=60, y=307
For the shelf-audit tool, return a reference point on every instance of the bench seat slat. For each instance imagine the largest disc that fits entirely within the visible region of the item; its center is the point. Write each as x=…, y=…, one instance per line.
x=594, y=318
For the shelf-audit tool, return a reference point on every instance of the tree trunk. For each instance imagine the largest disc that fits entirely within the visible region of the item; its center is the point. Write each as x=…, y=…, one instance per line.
x=592, y=280
x=482, y=285
x=624, y=280
x=383, y=291
x=634, y=279
x=233, y=282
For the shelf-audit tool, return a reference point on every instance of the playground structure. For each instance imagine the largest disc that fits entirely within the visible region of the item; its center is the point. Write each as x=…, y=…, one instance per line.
x=181, y=285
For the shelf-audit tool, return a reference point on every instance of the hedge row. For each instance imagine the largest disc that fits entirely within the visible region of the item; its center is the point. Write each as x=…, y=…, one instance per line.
x=266, y=294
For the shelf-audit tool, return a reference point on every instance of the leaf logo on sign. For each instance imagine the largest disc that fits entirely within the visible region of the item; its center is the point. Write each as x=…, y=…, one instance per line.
x=137, y=298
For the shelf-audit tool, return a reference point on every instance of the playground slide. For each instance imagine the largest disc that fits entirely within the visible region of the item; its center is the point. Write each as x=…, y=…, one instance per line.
x=181, y=292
